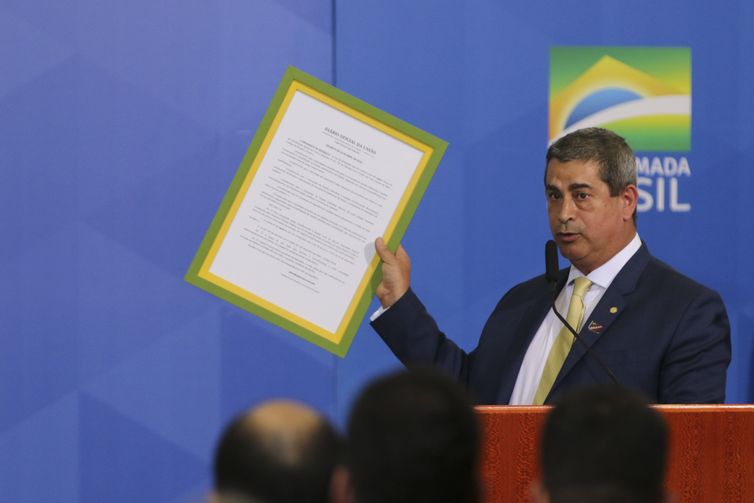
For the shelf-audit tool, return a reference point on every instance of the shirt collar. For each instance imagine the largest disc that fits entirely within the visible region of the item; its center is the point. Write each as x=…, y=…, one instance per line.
x=606, y=273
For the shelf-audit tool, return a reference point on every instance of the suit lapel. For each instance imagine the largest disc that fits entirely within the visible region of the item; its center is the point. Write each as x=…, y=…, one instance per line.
x=533, y=318
x=609, y=309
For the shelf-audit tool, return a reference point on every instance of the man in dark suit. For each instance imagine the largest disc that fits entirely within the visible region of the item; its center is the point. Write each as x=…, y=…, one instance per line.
x=659, y=331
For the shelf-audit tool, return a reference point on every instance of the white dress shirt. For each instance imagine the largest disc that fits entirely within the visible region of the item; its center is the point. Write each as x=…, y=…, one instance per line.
x=536, y=356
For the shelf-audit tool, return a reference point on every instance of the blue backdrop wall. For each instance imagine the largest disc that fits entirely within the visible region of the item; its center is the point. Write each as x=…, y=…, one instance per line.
x=122, y=124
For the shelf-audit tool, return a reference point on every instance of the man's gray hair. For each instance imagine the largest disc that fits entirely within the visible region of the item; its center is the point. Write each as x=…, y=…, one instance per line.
x=611, y=152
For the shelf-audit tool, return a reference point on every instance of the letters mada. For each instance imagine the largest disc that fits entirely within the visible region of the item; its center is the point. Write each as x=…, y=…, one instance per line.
x=658, y=182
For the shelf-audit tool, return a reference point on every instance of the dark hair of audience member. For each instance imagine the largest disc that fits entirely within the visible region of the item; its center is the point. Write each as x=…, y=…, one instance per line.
x=251, y=464
x=604, y=444
x=413, y=437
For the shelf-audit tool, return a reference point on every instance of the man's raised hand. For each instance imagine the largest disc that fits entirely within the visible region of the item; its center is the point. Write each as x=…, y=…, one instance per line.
x=396, y=273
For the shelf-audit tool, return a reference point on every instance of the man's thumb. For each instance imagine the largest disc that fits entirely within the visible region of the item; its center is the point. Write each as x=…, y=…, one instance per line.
x=382, y=250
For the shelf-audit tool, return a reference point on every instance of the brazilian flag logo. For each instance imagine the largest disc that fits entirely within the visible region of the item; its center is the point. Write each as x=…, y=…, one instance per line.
x=641, y=93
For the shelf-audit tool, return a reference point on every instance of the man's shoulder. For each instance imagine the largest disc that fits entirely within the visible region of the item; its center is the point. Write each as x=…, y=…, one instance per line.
x=660, y=275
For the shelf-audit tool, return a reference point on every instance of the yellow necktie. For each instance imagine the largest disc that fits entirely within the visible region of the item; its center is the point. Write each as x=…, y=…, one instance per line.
x=563, y=342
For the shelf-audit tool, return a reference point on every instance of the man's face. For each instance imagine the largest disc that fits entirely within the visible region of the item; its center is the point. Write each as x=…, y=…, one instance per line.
x=588, y=225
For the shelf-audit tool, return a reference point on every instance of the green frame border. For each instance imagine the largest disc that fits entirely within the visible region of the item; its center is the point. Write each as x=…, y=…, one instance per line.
x=292, y=75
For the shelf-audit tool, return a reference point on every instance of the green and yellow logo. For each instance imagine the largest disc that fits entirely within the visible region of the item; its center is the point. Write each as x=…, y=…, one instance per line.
x=641, y=93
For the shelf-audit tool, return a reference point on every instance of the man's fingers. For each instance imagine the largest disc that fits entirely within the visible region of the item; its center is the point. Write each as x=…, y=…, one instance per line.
x=401, y=255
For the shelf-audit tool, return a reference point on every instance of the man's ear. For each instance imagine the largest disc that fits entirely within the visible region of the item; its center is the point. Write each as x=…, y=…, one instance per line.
x=340, y=486
x=538, y=493
x=630, y=198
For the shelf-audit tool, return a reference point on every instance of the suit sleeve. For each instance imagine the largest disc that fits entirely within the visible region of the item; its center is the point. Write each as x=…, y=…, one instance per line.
x=695, y=365
x=414, y=337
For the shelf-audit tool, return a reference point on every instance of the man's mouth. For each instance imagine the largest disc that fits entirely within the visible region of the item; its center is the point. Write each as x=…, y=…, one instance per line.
x=567, y=237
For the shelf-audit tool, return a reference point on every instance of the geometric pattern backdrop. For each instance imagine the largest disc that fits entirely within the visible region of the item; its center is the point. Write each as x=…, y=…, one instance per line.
x=122, y=124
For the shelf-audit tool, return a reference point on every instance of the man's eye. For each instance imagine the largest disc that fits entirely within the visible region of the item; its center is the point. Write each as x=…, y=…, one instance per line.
x=582, y=196
x=553, y=196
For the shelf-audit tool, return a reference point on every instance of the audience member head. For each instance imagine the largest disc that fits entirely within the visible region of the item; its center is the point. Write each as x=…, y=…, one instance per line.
x=603, y=444
x=413, y=437
x=278, y=452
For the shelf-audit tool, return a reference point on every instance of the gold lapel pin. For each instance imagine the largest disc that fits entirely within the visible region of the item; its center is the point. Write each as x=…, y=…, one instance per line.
x=613, y=310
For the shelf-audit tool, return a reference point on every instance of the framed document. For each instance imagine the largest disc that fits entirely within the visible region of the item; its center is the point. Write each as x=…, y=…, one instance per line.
x=293, y=240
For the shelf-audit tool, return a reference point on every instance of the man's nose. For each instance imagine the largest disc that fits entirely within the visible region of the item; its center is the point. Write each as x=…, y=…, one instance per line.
x=566, y=209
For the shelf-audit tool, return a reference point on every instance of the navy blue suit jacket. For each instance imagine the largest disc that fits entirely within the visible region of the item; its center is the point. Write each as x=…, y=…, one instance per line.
x=659, y=331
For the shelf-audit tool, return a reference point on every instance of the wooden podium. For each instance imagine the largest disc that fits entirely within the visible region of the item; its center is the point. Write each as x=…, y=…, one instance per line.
x=711, y=456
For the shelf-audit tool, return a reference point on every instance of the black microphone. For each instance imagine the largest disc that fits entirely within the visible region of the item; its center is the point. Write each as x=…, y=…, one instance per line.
x=551, y=275
x=551, y=264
